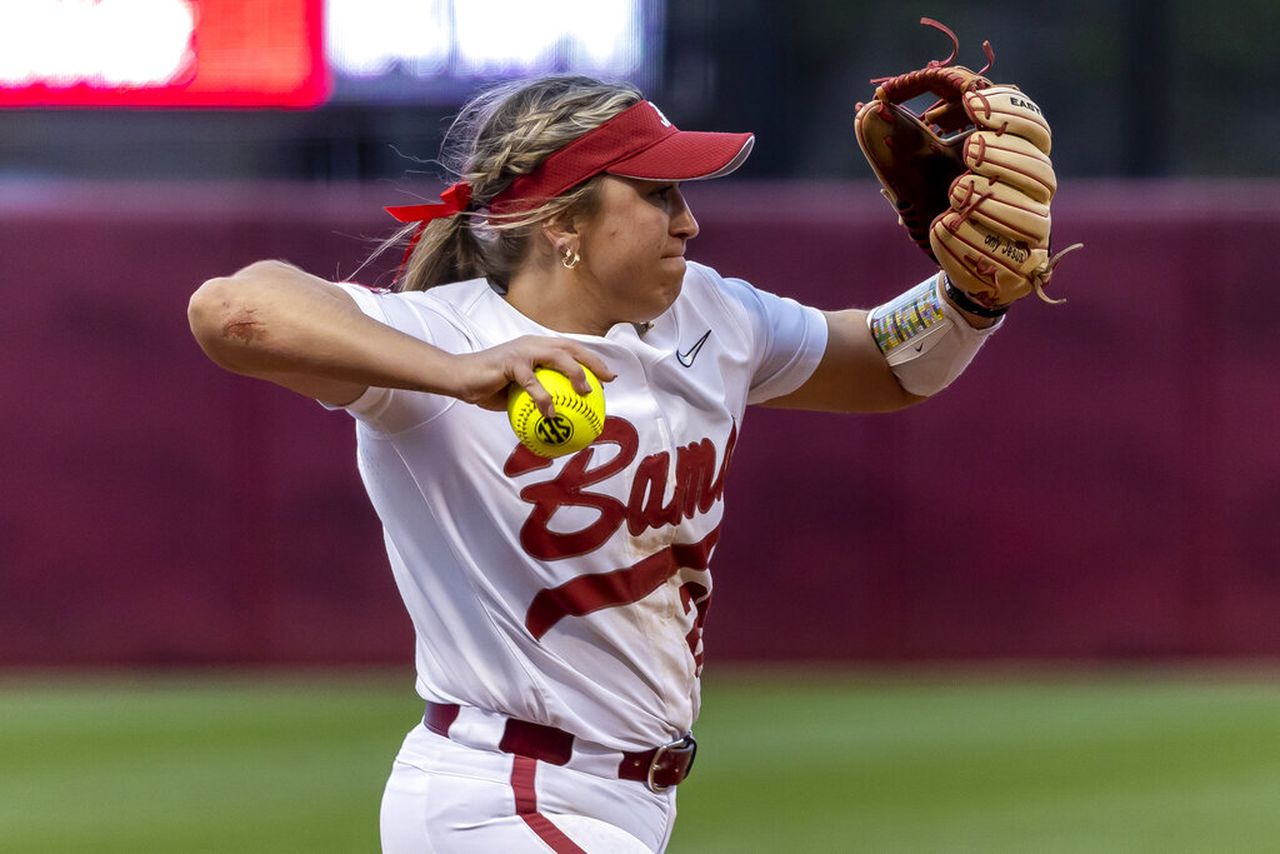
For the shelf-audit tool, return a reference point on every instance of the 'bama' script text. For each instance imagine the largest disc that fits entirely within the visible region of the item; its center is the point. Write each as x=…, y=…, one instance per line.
x=699, y=483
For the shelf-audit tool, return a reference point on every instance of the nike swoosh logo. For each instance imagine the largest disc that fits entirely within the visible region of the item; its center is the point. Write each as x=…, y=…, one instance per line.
x=687, y=357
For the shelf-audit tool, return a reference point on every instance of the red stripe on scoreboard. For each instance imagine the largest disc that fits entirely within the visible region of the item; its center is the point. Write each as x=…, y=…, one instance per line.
x=165, y=53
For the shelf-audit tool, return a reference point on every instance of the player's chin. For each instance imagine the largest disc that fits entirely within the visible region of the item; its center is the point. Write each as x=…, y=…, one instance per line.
x=672, y=281
x=671, y=271
x=658, y=301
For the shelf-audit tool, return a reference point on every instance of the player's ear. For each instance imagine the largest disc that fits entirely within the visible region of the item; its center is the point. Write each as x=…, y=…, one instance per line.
x=558, y=234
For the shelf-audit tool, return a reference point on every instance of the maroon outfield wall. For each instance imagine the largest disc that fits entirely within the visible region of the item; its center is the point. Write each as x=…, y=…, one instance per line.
x=1104, y=481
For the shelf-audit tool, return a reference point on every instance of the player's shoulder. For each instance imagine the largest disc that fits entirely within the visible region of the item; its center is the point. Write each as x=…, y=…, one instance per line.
x=456, y=300
x=455, y=293
x=459, y=295
x=459, y=304
x=444, y=314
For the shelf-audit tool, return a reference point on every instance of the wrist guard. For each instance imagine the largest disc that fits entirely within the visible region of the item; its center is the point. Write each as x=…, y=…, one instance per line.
x=926, y=341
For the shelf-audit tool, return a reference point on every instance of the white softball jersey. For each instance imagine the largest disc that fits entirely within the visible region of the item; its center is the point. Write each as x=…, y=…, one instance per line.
x=572, y=592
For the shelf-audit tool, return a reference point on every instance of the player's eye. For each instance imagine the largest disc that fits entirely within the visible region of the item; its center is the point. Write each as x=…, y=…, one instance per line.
x=663, y=196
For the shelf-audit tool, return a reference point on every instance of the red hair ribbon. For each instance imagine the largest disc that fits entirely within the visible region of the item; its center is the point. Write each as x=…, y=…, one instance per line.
x=453, y=200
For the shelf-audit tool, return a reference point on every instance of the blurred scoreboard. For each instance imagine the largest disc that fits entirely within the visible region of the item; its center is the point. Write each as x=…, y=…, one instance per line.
x=305, y=53
x=162, y=53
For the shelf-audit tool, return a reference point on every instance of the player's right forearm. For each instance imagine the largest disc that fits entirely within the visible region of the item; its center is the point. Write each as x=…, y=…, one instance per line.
x=276, y=322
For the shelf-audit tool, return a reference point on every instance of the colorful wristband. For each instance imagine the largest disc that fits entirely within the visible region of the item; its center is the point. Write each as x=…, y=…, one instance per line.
x=926, y=340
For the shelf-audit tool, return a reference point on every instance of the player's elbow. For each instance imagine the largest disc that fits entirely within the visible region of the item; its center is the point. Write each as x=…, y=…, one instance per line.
x=224, y=319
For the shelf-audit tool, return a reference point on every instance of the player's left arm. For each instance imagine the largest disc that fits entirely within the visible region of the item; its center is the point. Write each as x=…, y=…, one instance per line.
x=891, y=357
x=852, y=376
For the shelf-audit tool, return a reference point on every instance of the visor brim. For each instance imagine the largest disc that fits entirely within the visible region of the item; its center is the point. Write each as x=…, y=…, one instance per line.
x=687, y=156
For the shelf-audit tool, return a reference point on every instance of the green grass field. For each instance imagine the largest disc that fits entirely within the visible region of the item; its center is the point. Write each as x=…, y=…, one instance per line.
x=1135, y=762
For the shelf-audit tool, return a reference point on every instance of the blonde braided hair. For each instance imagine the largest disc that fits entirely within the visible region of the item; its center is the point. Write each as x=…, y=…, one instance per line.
x=499, y=135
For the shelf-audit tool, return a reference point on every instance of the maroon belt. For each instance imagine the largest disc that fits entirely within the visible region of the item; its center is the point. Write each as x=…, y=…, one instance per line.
x=658, y=768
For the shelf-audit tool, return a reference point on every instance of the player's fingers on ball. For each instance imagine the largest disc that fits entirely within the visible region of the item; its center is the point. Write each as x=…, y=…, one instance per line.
x=524, y=376
x=593, y=362
x=563, y=361
x=565, y=364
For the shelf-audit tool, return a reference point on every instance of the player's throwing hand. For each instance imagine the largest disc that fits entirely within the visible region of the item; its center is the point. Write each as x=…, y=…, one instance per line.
x=483, y=378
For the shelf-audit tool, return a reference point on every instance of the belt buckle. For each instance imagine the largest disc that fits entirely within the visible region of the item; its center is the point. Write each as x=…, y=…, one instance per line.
x=686, y=741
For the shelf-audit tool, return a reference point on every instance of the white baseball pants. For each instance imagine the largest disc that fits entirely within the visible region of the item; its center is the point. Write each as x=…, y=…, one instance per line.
x=447, y=797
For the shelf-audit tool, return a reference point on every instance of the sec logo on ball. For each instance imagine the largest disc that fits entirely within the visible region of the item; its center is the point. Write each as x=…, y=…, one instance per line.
x=554, y=431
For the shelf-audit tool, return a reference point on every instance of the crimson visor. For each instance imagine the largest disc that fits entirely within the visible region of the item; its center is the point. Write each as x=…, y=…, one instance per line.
x=637, y=143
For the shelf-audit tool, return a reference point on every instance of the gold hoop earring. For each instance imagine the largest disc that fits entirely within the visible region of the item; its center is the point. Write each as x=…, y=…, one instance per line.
x=571, y=258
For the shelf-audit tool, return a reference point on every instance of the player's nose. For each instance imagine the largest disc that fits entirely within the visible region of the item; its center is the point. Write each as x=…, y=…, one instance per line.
x=683, y=224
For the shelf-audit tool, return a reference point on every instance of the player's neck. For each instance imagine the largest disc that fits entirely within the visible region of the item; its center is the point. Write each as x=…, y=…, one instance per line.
x=556, y=298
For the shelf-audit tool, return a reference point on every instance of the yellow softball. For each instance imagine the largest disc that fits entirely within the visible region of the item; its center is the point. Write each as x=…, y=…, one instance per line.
x=578, y=420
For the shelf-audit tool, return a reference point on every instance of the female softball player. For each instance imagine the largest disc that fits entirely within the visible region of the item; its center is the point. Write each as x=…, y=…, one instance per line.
x=559, y=604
